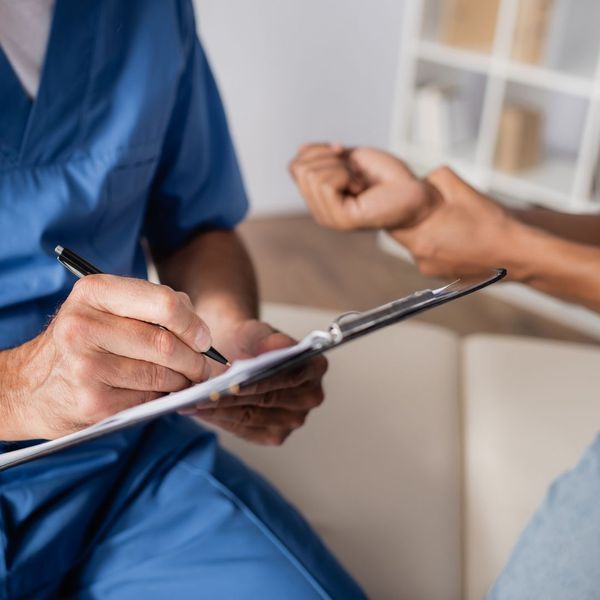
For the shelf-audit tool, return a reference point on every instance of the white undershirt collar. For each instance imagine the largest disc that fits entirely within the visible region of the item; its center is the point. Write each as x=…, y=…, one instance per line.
x=24, y=33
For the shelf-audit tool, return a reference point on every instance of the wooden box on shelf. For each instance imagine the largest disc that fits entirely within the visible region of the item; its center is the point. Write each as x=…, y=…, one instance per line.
x=519, y=138
x=531, y=30
x=469, y=24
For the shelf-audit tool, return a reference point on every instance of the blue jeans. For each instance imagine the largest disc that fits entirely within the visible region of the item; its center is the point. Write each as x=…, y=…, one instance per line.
x=558, y=554
x=156, y=512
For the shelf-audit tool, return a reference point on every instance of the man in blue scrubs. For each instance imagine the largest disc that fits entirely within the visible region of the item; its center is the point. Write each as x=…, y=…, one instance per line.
x=122, y=138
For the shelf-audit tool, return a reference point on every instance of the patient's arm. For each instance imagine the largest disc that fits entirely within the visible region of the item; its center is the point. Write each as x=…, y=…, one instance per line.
x=584, y=229
x=450, y=228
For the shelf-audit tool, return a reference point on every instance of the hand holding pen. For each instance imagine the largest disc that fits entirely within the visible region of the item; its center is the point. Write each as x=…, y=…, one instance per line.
x=81, y=268
x=115, y=343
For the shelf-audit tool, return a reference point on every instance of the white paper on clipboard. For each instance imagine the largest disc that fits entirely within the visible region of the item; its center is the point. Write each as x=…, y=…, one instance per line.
x=242, y=371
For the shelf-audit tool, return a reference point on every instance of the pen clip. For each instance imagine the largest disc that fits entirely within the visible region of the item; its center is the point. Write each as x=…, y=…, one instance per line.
x=70, y=267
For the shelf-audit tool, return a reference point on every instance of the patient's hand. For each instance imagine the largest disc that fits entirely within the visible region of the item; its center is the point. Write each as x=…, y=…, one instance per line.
x=450, y=228
x=360, y=188
x=266, y=412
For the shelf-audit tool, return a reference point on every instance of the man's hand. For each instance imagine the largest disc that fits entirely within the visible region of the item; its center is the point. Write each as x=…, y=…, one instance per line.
x=450, y=228
x=269, y=411
x=103, y=352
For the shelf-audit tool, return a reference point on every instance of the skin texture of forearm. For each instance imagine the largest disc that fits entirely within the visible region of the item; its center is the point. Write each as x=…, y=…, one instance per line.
x=16, y=384
x=215, y=270
x=553, y=265
x=583, y=229
x=9, y=393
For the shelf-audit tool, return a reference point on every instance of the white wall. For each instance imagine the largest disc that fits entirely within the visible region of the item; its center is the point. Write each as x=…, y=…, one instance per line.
x=293, y=71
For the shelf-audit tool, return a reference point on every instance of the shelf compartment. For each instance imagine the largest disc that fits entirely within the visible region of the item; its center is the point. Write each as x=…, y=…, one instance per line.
x=573, y=44
x=549, y=184
x=560, y=143
x=456, y=58
x=451, y=22
x=453, y=116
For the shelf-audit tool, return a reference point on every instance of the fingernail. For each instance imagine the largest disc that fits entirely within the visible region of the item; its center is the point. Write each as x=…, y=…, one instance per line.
x=203, y=340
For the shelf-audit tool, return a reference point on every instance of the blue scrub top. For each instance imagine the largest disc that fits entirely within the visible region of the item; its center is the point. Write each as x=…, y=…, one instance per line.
x=127, y=139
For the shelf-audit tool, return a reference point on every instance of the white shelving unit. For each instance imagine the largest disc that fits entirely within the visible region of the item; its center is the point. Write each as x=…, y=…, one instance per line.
x=566, y=87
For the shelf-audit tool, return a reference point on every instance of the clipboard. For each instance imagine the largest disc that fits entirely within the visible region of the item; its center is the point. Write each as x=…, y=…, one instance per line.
x=346, y=328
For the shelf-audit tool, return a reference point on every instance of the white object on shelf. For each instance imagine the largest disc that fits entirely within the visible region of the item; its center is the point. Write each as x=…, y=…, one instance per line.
x=440, y=122
x=561, y=182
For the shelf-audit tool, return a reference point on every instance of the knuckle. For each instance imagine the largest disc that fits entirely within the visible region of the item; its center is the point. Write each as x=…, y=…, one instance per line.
x=443, y=172
x=164, y=342
x=342, y=224
x=200, y=369
x=169, y=302
x=299, y=171
x=317, y=397
x=329, y=188
x=341, y=219
x=67, y=328
x=83, y=369
x=158, y=378
x=184, y=298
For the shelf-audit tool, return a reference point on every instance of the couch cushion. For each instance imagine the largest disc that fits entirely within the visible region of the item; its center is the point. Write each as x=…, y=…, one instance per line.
x=531, y=408
x=376, y=470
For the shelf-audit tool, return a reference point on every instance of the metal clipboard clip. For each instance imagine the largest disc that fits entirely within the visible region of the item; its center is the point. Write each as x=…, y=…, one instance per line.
x=354, y=324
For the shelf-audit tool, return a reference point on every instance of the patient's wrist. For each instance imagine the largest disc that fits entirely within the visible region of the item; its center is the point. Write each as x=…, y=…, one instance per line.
x=525, y=251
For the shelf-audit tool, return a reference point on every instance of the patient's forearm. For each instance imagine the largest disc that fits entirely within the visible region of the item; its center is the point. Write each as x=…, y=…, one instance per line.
x=584, y=229
x=556, y=266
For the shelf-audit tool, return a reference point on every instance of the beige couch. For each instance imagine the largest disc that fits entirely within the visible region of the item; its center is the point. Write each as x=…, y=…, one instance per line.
x=431, y=452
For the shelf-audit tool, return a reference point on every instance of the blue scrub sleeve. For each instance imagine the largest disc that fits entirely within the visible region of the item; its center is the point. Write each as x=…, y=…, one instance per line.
x=198, y=183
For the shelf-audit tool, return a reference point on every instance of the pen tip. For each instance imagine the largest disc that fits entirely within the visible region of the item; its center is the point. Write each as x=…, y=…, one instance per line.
x=227, y=364
x=58, y=250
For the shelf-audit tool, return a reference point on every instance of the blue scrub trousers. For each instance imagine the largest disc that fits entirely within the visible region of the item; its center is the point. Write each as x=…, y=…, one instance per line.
x=156, y=512
x=558, y=554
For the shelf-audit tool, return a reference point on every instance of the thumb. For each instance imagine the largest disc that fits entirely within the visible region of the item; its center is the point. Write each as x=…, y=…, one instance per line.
x=377, y=166
x=256, y=337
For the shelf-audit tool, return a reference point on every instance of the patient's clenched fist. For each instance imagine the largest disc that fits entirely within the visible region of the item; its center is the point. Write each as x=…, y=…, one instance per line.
x=360, y=188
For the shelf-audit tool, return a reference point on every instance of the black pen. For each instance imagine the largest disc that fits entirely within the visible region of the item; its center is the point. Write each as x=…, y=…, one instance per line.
x=81, y=268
